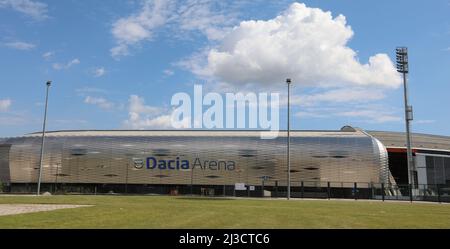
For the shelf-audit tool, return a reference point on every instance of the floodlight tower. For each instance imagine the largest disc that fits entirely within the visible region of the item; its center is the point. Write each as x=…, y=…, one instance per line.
x=288, y=82
x=402, y=67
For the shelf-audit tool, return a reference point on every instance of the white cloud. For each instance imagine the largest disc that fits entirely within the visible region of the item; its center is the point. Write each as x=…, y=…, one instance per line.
x=10, y=118
x=168, y=72
x=137, y=106
x=142, y=116
x=13, y=120
x=86, y=90
x=73, y=62
x=305, y=44
x=48, y=55
x=138, y=27
x=182, y=18
x=71, y=121
x=5, y=104
x=336, y=96
x=195, y=63
x=99, y=72
x=200, y=15
x=307, y=114
x=371, y=116
x=356, y=113
x=100, y=102
x=59, y=66
x=19, y=45
x=34, y=9
x=158, y=122
x=425, y=121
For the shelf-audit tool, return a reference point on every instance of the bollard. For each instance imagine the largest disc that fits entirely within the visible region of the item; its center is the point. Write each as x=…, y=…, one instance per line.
x=372, y=191
x=410, y=193
x=302, y=189
x=262, y=188
x=439, y=193
x=276, y=188
x=328, y=190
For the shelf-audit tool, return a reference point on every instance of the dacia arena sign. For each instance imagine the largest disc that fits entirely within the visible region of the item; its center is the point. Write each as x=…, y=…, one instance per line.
x=183, y=164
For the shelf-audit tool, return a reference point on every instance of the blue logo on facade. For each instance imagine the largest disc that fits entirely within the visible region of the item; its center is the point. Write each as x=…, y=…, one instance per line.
x=153, y=163
x=182, y=164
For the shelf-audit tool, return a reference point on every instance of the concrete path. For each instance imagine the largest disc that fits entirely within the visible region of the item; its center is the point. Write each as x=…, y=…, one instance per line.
x=11, y=209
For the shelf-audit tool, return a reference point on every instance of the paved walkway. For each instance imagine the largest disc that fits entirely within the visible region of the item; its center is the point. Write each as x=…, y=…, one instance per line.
x=11, y=209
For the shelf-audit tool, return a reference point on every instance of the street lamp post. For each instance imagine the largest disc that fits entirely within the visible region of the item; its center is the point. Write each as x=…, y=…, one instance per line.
x=288, y=81
x=402, y=67
x=126, y=179
x=43, y=140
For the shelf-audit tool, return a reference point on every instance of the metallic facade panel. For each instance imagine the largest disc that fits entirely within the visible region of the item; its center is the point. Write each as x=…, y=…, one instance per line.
x=419, y=141
x=215, y=157
x=4, y=162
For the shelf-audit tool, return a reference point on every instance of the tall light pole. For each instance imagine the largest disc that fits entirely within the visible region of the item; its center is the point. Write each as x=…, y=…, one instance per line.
x=402, y=67
x=288, y=81
x=43, y=139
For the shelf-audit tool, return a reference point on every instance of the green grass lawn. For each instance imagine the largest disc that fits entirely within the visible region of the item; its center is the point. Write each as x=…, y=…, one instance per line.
x=185, y=212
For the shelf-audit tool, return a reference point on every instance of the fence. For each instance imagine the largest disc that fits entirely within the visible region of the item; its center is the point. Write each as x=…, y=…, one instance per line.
x=358, y=190
x=267, y=189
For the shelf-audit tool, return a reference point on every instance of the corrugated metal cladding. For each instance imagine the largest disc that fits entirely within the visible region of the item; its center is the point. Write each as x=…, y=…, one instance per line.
x=214, y=157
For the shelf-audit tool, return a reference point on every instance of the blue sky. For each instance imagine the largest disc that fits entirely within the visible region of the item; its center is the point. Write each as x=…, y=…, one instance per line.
x=116, y=64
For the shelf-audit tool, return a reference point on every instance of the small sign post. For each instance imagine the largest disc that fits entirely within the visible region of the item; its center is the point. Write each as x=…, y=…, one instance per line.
x=239, y=186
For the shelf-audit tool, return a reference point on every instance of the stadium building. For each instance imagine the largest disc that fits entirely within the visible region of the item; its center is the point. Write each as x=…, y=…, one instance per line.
x=340, y=163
